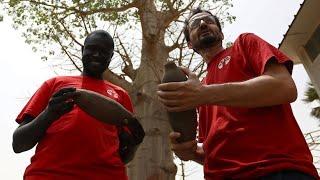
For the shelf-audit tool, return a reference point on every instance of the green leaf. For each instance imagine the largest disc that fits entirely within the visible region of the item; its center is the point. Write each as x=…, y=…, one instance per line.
x=316, y=112
x=44, y=58
x=311, y=94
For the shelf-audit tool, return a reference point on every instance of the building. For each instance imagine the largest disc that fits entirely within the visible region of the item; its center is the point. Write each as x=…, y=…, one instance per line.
x=302, y=40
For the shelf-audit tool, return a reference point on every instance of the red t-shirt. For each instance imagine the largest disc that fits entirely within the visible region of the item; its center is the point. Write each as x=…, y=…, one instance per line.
x=76, y=146
x=249, y=142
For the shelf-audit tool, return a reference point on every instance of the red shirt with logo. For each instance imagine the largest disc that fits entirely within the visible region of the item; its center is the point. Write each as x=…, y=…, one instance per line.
x=249, y=142
x=76, y=146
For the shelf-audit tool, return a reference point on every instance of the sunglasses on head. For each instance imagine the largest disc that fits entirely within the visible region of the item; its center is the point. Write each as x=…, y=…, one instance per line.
x=194, y=23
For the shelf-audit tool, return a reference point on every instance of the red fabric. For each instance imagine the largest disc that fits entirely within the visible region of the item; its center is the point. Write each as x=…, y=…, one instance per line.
x=76, y=146
x=249, y=142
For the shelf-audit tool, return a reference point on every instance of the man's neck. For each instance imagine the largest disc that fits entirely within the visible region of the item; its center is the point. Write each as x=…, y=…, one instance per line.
x=211, y=52
x=92, y=76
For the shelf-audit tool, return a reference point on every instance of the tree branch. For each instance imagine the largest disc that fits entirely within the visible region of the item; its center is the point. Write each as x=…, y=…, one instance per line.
x=170, y=4
x=191, y=58
x=45, y=4
x=68, y=32
x=117, y=80
x=187, y=7
x=175, y=44
x=74, y=55
x=135, y=4
x=122, y=8
x=202, y=71
x=180, y=55
x=84, y=24
x=66, y=52
x=128, y=68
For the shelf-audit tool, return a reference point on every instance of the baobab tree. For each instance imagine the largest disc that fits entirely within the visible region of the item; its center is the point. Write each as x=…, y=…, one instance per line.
x=147, y=33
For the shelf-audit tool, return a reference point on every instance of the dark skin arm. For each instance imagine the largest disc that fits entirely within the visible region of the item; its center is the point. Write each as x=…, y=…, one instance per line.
x=32, y=129
x=102, y=108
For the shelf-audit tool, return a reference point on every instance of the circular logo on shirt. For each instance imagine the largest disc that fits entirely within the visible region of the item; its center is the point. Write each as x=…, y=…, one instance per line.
x=220, y=65
x=224, y=62
x=227, y=60
x=112, y=93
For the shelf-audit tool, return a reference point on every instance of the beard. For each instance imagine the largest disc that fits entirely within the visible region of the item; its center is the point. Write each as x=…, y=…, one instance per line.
x=208, y=41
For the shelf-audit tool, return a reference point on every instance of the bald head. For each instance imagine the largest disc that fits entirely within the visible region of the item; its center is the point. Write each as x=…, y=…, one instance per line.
x=97, y=53
x=100, y=36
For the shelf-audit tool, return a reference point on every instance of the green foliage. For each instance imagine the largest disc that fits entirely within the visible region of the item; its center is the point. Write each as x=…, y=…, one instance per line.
x=1, y=15
x=315, y=112
x=229, y=44
x=13, y=2
x=50, y=25
x=310, y=96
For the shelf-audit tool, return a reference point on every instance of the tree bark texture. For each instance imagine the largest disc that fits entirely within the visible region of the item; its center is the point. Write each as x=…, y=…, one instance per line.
x=154, y=159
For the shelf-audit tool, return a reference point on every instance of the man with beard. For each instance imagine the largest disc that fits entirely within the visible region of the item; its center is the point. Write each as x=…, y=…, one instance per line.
x=71, y=144
x=246, y=124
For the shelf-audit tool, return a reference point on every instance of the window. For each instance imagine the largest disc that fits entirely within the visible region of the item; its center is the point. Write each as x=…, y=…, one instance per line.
x=313, y=45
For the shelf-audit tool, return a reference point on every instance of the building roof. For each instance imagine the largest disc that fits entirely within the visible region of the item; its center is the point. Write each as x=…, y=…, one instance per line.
x=285, y=35
x=304, y=23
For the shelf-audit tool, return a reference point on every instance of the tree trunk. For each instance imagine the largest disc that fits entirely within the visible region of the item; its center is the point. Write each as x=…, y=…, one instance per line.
x=154, y=159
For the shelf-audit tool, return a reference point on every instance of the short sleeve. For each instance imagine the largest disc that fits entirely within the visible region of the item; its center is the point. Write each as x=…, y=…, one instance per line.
x=259, y=52
x=37, y=103
x=126, y=101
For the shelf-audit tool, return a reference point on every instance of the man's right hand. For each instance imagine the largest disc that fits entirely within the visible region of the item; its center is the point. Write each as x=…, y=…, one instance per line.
x=61, y=102
x=32, y=129
x=186, y=150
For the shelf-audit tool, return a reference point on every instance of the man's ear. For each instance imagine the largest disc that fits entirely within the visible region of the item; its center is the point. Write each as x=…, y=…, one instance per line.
x=190, y=45
x=222, y=35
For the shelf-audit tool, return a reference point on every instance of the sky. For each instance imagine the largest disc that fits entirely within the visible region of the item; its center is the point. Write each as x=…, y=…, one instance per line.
x=22, y=72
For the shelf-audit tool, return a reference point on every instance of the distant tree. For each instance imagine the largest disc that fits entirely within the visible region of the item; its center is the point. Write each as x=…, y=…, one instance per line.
x=147, y=34
x=1, y=15
x=311, y=96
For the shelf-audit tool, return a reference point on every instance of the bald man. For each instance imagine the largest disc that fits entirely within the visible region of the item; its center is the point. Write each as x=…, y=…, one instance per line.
x=71, y=144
